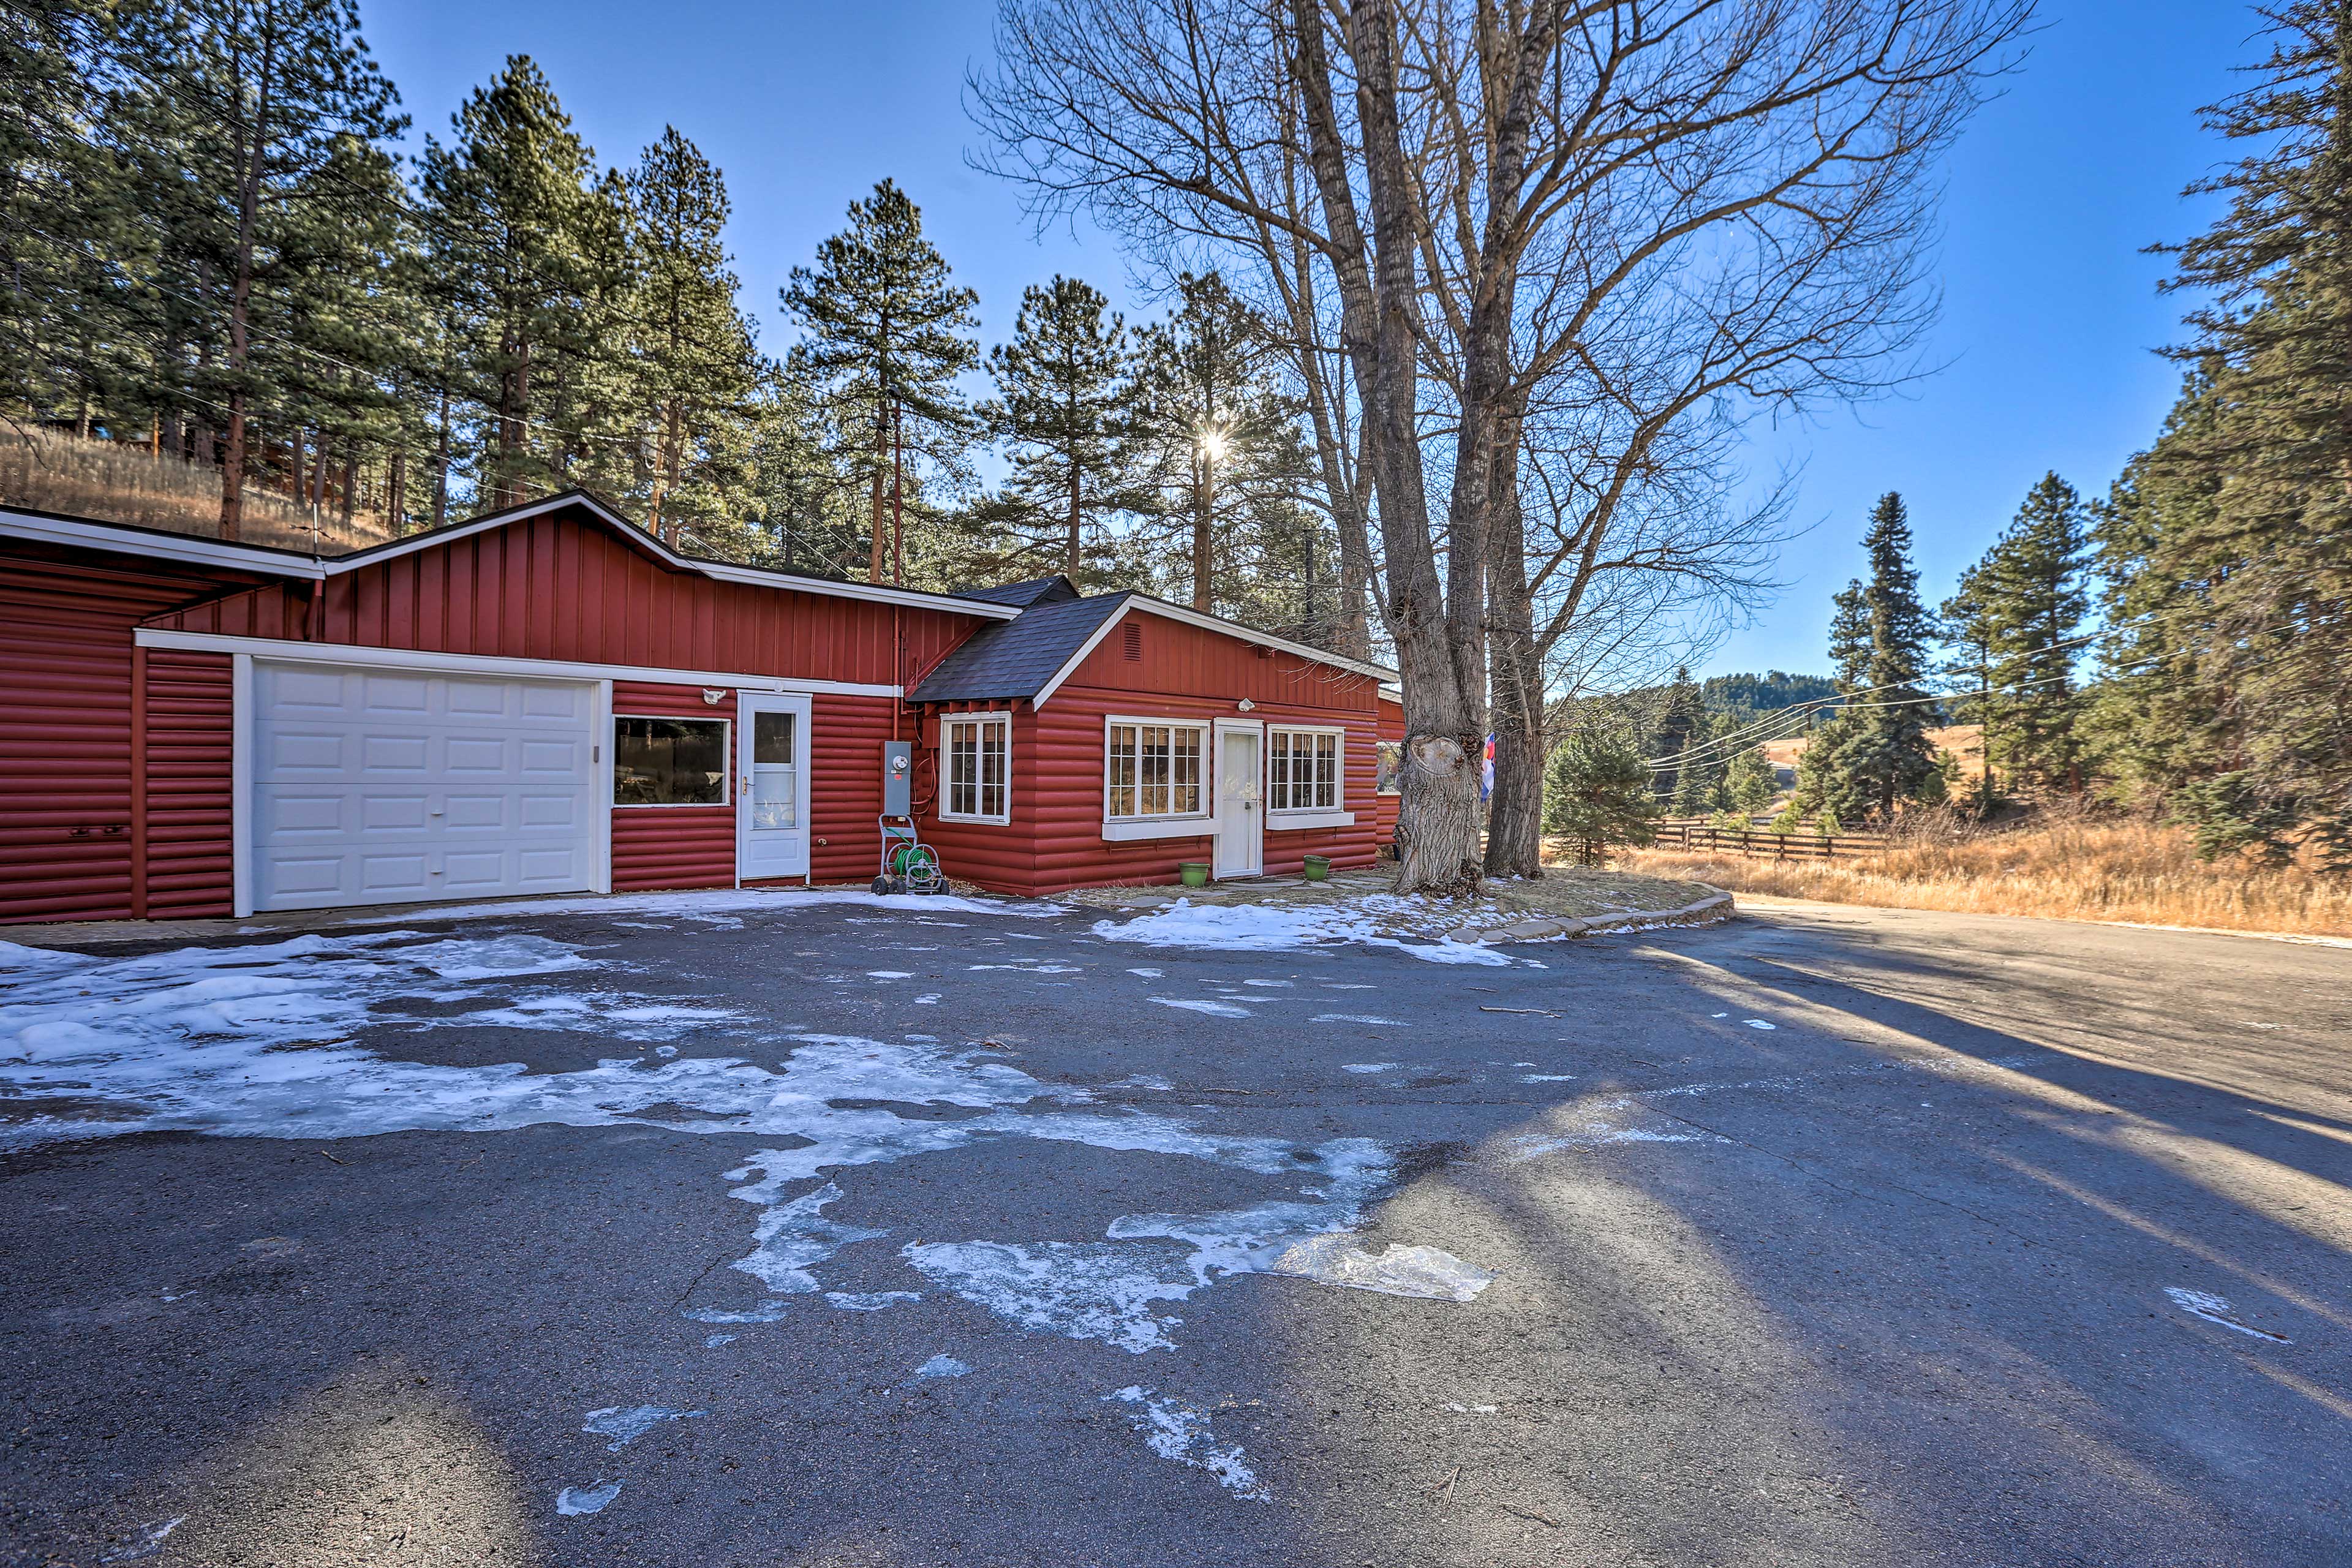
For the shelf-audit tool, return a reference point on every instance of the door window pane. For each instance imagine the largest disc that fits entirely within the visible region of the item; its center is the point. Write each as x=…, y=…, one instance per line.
x=669, y=762
x=772, y=737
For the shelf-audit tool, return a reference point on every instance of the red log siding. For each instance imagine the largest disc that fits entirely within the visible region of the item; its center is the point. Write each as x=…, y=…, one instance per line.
x=673, y=846
x=845, y=787
x=1000, y=856
x=190, y=711
x=561, y=586
x=65, y=640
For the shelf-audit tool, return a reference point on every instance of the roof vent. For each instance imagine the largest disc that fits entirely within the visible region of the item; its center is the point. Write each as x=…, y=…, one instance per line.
x=1134, y=631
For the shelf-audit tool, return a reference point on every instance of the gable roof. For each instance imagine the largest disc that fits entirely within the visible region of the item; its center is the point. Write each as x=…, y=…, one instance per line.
x=1035, y=591
x=157, y=543
x=1022, y=657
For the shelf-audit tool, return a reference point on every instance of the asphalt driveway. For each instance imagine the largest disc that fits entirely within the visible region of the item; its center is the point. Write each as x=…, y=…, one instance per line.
x=841, y=1234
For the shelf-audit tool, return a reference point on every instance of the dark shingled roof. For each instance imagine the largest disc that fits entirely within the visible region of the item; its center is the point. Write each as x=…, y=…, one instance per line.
x=1035, y=591
x=1017, y=658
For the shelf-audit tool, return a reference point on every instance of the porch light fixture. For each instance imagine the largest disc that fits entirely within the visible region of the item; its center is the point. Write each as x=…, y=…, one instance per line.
x=712, y=696
x=1246, y=706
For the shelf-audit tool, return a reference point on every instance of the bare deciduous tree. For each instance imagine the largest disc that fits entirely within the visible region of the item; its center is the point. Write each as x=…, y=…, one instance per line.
x=1503, y=198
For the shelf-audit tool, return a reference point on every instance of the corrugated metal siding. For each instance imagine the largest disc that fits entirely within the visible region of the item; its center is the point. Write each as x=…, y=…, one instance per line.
x=65, y=753
x=190, y=718
x=672, y=845
x=560, y=586
x=1177, y=659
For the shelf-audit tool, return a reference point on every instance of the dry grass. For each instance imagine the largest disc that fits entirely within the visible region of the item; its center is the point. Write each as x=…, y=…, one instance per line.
x=2074, y=868
x=52, y=471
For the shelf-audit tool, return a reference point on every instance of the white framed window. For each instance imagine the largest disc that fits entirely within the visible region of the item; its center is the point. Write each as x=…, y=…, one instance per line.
x=1302, y=770
x=1154, y=769
x=669, y=762
x=976, y=767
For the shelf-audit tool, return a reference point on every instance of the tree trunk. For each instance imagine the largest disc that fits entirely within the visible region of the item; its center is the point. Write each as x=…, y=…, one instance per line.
x=1204, y=480
x=248, y=209
x=881, y=461
x=441, y=467
x=1077, y=520
x=1514, y=811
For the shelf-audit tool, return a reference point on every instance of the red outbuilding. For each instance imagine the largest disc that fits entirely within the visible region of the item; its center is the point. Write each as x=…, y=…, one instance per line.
x=548, y=700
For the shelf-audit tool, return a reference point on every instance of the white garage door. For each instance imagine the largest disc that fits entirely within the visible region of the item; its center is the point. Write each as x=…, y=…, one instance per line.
x=377, y=786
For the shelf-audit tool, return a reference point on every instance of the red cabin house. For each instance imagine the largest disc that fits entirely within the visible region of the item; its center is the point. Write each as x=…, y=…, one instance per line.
x=548, y=700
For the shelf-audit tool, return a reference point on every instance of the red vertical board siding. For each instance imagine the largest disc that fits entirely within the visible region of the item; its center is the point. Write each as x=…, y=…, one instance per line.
x=190, y=830
x=65, y=638
x=562, y=586
x=674, y=846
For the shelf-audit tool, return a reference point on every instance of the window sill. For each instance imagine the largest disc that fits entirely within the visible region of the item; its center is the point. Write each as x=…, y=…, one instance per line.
x=1173, y=828
x=976, y=821
x=1292, y=821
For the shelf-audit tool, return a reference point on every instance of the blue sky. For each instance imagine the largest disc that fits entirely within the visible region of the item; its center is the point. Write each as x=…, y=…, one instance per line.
x=2050, y=309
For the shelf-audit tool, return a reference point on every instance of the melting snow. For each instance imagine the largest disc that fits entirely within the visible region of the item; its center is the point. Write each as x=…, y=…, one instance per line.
x=1148, y=973
x=1246, y=928
x=573, y=1500
x=625, y=1424
x=1365, y=1066
x=1357, y=1018
x=1193, y=1004
x=1177, y=1431
x=1758, y=1024
x=871, y=1300
x=721, y=903
x=2215, y=1310
x=712, y=1341
x=943, y=1366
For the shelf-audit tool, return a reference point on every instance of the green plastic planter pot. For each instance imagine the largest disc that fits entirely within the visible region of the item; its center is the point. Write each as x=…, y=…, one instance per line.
x=1317, y=868
x=1194, y=873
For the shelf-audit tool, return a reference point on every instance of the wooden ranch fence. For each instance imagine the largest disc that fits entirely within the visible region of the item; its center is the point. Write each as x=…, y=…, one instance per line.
x=1757, y=844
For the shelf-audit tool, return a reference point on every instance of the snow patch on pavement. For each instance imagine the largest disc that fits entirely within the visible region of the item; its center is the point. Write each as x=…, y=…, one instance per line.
x=1176, y=1431
x=625, y=1424
x=572, y=1502
x=1194, y=1005
x=943, y=1366
x=870, y=1300
x=1272, y=928
x=2216, y=1309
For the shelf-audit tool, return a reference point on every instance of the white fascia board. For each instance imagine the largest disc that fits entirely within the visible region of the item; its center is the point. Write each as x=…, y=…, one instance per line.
x=491, y=663
x=662, y=552
x=159, y=546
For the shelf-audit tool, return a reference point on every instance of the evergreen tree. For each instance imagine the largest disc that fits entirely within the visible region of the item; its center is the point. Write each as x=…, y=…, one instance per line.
x=1679, y=722
x=2023, y=607
x=1218, y=449
x=1062, y=407
x=695, y=369
x=271, y=93
x=1880, y=753
x=886, y=334
x=1751, y=781
x=1968, y=632
x=512, y=222
x=1597, y=793
x=2240, y=533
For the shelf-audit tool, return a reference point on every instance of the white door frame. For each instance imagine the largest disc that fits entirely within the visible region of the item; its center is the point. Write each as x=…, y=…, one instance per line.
x=747, y=704
x=1255, y=729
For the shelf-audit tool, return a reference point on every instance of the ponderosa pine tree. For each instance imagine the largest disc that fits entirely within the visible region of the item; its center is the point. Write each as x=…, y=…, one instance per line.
x=281, y=86
x=1063, y=407
x=886, y=336
x=511, y=223
x=1967, y=632
x=694, y=367
x=1215, y=440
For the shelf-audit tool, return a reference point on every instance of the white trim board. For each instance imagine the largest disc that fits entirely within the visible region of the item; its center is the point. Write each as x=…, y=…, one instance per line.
x=138, y=542
x=489, y=664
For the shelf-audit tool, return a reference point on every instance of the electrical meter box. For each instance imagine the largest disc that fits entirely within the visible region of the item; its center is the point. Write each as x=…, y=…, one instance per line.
x=897, y=778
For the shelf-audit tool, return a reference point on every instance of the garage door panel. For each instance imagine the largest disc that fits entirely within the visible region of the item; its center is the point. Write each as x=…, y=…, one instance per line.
x=375, y=788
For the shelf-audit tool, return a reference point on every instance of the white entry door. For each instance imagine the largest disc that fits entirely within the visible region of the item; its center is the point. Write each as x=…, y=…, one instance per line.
x=376, y=786
x=1241, y=816
x=772, y=805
